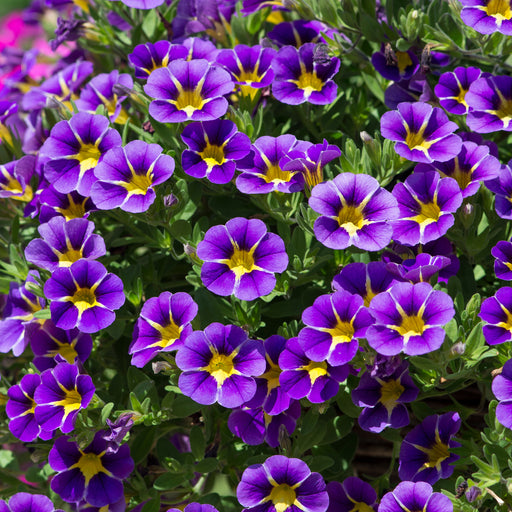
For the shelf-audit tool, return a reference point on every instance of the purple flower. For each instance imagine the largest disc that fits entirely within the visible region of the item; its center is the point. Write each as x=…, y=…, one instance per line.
x=15, y=179
x=422, y=133
x=252, y=6
x=25, y=502
x=126, y=177
x=425, y=452
x=255, y=426
x=353, y=495
x=426, y=203
x=163, y=325
x=281, y=484
x=354, y=210
x=60, y=86
x=415, y=89
x=302, y=377
x=299, y=77
x=188, y=91
x=299, y=32
x=219, y=365
x=453, y=86
x=70, y=206
x=200, y=49
x=471, y=166
x=490, y=102
x=20, y=410
x=502, y=389
x=502, y=251
x=143, y=4
x=49, y=341
x=93, y=474
x=311, y=163
x=195, y=507
x=409, y=318
x=241, y=258
x=408, y=496
x=103, y=90
x=269, y=394
x=487, y=16
x=418, y=269
x=214, y=149
x=73, y=150
x=64, y=242
x=497, y=312
x=249, y=66
x=18, y=323
x=145, y=58
x=382, y=396
x=261, y=170
x=364, y=279
x=395, y=65
x=60, y=397
x=333, y=324
x=502, y=188
x=84, y=295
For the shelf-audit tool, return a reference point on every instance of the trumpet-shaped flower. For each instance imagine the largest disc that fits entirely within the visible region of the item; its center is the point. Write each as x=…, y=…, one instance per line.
x=352, y=495
x=502, y=389
x=502, y=251
x=487, y=16
x=497, y=312
x=408, y=496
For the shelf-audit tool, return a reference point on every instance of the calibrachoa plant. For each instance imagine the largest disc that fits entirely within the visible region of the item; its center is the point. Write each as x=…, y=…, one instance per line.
x=256, y=255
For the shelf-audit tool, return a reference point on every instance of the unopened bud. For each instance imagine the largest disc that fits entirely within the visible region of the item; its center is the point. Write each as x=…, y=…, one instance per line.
x=473, y=493
x=284, y=439
x=160, y=366
x=170, y=200
x=189, y=250
x=458, y=349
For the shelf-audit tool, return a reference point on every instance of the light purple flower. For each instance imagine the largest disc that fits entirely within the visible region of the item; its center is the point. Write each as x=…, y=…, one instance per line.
x=497, y=312
x=487, y=16
x=408, y=496
x=352, y=495
x=502, y=389
x=502, y=251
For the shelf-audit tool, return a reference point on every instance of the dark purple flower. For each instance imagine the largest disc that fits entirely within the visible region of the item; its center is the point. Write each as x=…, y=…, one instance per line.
x=502, y=188
x=311, y=163
x=249, y=66
x=195, y=507
x=453, y=86
x=415, y=89
x=116, y=431
x=49, y=341
x=60, y=397
x=252, y=6
x=497, y=312
x=490, y=102
x=15, y=179
x=219, y=365
x=70, y=206
x=145, y=58
x=382, y=397
x=255, y=426
x=20, y=409
x=354, y=210
x=299, y=32
x=73, y=150
x=84, y=295
x=487, y=16
x=422, y=133
x=93, y=474
x=409, y=318
x=471, y=166
x=502, y=251
x=241, y=258
x=352, y=495
x=214, y=149
x=299, y=77
x=333, y=324
x=409, y=496
x=103, y=90
x=67, y=30
x=188, y=91
x=64, y=242
x=419, y=269
x=364, y=279
x=302, y=377
x=395, y=65
x=261, y=170
x=426, y=203
x=425, y=454
x=502, y=389
x=126, y=176
x=281, y=484
x=25, y=502
x=18, y=323
x=163, y=325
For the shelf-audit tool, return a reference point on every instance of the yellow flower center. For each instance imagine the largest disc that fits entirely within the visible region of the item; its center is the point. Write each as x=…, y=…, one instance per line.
x=241, y=262
x=88, y=156
x=169, y=333
x=461, y=97
x=390, y=392
x=66, y=259
x=309, y=82
x=272, y=375
x=361, y=507
x=73, y=210
x=351, y=219
x=412, y=326
x=189, y=101
x=139, y=184
x=342, y=333
x=249, y=77
x=90, y=465
x=430, y=212
x=415, y=140
x=84, y=298
x=462, y=176
x=282, y=496
x=213, y=155
x=221, y=367
x=436, y=454
x=315, y=370
x=499, y=9
x=276, y=174
x=404, y=61
x=65, y=350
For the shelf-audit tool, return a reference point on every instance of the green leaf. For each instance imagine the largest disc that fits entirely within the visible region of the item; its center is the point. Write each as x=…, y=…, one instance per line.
x=197, y=442
x=105, y=412
x=184, y=406
x=143, y=444
x=6, y=457
x=206, y=465
x=168, y=481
